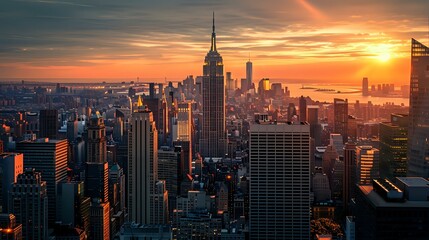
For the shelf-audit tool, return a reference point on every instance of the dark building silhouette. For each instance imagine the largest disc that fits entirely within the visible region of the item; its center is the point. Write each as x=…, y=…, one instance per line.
x=393, y=146
x=365, y=87
x=341, y=117
x=50, y=158
x=386, y=211
x=302, y=109
x=28, y=201
x=349, y=177
x=97, y=181
x=48, y=123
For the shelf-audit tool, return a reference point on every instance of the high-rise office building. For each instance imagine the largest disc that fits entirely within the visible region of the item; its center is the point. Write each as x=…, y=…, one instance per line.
x=418, y=127
x=186, y=152
x=349, y=177
x=229, y=82
x=97, y=181
x=280, y=181
x=73, y=205
x=142, y=164
x=249, y=74
x=184, y=122
x=72, y=128
x=100, y=220
x=367, y=161
x=291, y=111
x=302, y=109
x=50, y=158
x=48, y=123
x=11, y=165
x=365, y=86
x=96, y=142
x=336, y=141
x=392, y=210
x=170, y=165
x=315, y=127
x=341, y=117
x=393, y=146
x=28, y=201
x=213, y=142
x=159, y=204
x=117, y=188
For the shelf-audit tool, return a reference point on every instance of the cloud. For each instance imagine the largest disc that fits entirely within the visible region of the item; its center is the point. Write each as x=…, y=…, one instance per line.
x=91, y=33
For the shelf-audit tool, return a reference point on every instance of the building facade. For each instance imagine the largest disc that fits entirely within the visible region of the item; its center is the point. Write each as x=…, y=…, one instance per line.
x=213, y=142
x=96, y=142
x=393, y=146
x=341, y=117
x=367, y=160
x=11, y=165
x=142, y=164
x=28, y=201
x=418, y=127
x=49, y=157
x=280, y=181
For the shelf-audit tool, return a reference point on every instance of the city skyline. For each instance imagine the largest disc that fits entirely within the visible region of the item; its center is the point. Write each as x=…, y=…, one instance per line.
x=84, y=39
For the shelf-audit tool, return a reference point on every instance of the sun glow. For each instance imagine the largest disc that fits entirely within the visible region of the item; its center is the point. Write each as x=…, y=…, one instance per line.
x=382, y=52
x=384, y=57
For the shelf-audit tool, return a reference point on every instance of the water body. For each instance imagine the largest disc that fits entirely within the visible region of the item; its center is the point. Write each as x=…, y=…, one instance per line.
x=352, y=93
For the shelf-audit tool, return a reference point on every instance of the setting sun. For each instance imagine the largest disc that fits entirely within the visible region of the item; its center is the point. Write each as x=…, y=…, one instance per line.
x=382, y=52
x=384, y=57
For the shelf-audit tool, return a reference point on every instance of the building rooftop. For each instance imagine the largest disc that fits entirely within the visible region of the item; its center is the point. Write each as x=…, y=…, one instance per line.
x=377, y=201
x=413, y=181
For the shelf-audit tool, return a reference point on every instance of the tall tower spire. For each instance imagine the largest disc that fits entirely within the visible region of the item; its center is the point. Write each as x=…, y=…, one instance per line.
x=213, y=47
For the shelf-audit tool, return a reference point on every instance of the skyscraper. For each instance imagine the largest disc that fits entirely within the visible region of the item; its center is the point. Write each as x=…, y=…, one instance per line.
x=213, y=142
x=367, y=160
x=249, y=74
x=50, y=158
x=418, y=128
x=184, y=121
x=302, y=109
x=142, y=164
x=72, y=128
x=28, y=201
x=11, y=164
x=365, y=87
x=97, y=181
x=96, y=143
x=100, y=220
x=393, y=146
x=48, y=122
x=349, y=177
x=280, y=181
x=341, y=117
x=73, y=206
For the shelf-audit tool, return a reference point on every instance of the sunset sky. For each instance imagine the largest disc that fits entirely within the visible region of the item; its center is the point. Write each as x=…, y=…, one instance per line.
x=335, y=40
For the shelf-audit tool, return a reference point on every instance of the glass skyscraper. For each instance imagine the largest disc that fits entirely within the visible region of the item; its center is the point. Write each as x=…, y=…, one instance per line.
x=418, y=130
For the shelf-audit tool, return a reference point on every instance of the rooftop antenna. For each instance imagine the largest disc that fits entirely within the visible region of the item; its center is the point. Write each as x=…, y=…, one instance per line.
x=249, y=56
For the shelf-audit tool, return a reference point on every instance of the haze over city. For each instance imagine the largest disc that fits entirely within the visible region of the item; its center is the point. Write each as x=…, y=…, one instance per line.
x=335, y=41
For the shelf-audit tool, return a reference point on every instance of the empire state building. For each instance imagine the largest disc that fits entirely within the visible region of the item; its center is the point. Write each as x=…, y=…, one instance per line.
x=213, y=142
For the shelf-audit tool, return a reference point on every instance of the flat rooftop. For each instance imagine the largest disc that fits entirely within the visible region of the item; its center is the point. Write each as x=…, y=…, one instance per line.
x=414, y=181
x=378, y=201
